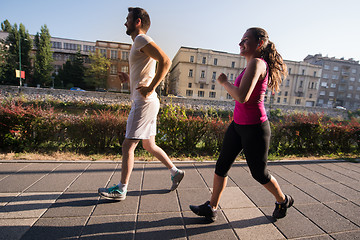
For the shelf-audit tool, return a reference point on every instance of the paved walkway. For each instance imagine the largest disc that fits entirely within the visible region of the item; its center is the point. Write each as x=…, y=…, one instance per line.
x=59, y=200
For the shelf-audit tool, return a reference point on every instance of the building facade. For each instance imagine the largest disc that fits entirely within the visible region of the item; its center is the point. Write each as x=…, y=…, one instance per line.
x=194, y=71
x=339, y=82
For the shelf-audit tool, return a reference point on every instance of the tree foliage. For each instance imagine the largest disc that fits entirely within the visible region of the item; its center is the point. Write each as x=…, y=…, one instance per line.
x=96, y=74
x=9, y=53
x=43, y=58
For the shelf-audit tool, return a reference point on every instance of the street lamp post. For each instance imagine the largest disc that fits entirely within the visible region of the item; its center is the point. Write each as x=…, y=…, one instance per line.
x=20, y=58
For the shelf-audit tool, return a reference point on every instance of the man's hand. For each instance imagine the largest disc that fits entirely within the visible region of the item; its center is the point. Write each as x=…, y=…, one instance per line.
x=145, y=91
x=124, y=77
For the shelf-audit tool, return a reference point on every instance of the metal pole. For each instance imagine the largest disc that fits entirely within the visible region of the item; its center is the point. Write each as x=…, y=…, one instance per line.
x=20, y=57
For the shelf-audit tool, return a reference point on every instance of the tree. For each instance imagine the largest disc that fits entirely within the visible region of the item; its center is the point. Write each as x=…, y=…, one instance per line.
x=72, y=73
x=43, y=58
x=10, y=53
x=97, y=73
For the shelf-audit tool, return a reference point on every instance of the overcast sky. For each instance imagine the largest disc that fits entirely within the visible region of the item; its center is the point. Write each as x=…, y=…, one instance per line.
x=297, y=28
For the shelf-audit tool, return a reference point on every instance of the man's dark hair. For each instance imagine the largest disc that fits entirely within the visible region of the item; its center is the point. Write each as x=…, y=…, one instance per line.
x=143, y=15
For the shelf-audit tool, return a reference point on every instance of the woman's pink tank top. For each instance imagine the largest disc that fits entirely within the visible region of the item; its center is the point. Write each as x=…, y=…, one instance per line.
x=253, y=111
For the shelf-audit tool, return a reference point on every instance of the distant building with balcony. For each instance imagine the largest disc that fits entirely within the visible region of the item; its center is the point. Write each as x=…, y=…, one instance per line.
x=339, y=82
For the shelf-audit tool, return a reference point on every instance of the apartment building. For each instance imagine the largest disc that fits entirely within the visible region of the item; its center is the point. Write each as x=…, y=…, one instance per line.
x=194, y=71
x=340, y=82
x=299, y=88
x=118, y=53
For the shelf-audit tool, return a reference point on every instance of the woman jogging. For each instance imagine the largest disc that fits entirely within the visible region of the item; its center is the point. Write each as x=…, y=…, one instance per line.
x=250, y=129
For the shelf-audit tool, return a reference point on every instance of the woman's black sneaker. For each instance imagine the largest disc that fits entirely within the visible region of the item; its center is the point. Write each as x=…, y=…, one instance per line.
x=281, y=208
x=205, y=211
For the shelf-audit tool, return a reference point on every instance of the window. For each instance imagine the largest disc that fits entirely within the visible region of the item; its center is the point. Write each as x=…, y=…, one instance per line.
x=301, y=84
x=284, y=100
x=327, y=67
x=56, y=45
x=357, y=96
x=314, y=73
x=325, y=76
x=322, y=93
x=331, y=94
x=297, y=101
x=190, y=85
x=72, y=46
x=321, y=101
x=351, y=87
x=202, y=74
x=212, y=94
x=190, y=72
x=204, y=60
x=114, y=54
x=231, y=77
x=311, y=85
x=358, y=89
x=353, y=70
x=228, y=96
x=233, y=64
x=201, y=93
x=352, y=79
x=189, y=93
x=324, y=84
x=215, y=61
x=103, y=52
x=335, y=77
x=278, y=100
x=289, y=71
x=214, y=76
x=125, y=69
x=113, y=69
x=279, y=93
x=124, y=55
x=287, y=83
x=333, y=85
x=212, y=87
x=303, y=72
x=348, y=95
x=201, y=85
x=191, y=59
x=87, y=48
x=310, y=95
x=286, y=93
x=336, y=68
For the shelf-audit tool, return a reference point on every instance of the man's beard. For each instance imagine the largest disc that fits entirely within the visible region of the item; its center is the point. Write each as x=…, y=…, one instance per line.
x=130, y=30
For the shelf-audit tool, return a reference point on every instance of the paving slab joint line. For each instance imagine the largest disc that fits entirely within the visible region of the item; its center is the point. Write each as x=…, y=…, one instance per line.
x=139, y=202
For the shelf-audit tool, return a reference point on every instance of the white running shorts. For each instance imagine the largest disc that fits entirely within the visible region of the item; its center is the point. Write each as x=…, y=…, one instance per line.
x=141, y=123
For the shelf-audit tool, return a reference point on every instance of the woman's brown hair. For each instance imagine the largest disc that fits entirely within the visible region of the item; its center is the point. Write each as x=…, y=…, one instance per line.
x=277, y=67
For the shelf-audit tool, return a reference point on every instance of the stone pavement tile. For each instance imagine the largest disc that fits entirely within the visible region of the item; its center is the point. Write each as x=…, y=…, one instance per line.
x=349, y=165
x=307, y=173
x=192, y=179
x=325, y=218
x=21, y=180
x=71, y=204
x=97, y=175
x=135, y=178
x=251, y=223
x=320, y=193
x=154, y=201
x=7, y=169
x=128, y=206
x=56, y=228
x=347, y=209
x=13, y=228
x=5, y=198
x=259, y=196
x=59, y=179
x=343, y=191
x=337, y=176
x=290, y=176
x=160, y=226
x=207, y=173
x=294, y=225
x=28, y=205
x=339, y=169
x=241, y=176
x=193, y=196
x=299, y=196
x=156, y=177
x=110, y=227
x=199, y=228
x=321, y=237
x=233, y=197
x=346, y=235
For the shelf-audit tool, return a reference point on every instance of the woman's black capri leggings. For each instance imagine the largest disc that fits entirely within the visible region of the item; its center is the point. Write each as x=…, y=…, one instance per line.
x=255, y=140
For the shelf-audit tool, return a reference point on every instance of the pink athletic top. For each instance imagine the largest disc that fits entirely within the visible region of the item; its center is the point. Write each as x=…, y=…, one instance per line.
x=253, y=111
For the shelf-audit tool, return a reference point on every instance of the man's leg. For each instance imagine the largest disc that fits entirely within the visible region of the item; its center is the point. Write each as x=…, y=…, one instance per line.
x=128, y=149
x=176, y=174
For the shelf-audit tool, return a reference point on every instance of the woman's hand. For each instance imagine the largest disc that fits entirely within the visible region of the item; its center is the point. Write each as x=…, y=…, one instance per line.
x=124, y=77
x=222, y=79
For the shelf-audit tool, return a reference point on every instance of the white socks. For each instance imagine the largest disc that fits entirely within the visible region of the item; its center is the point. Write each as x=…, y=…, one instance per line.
x=173, y=170
x=122, y=187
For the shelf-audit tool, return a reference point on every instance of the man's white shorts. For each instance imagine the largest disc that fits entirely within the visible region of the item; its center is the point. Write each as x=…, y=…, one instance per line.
x=141, y=123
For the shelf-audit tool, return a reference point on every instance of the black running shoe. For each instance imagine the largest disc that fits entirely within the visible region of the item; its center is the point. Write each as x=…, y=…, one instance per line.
x=205, y=211
x=280, y=209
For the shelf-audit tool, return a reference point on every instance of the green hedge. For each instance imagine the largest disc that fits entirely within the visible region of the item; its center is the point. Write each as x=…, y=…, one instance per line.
x=32, y=127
